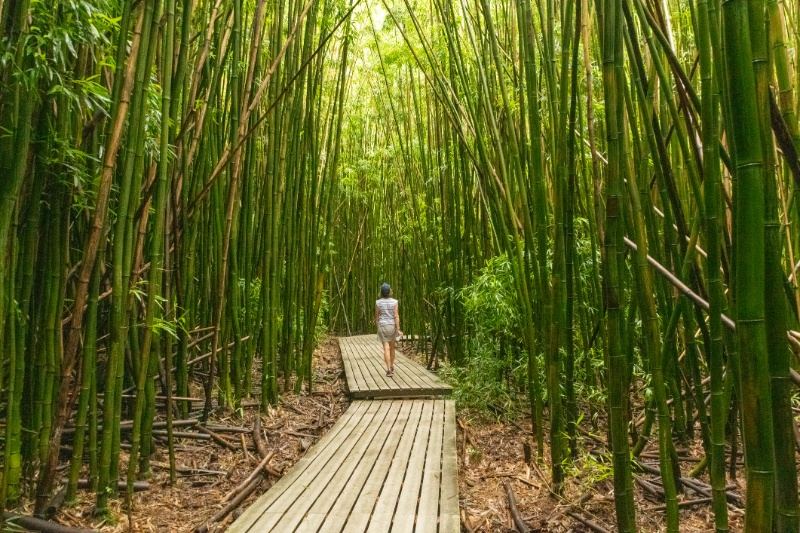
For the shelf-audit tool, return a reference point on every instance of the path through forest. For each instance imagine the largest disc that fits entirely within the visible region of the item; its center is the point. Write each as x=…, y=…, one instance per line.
x=389, y=463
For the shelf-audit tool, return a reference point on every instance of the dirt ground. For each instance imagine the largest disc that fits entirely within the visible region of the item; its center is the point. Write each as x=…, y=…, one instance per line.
x=491, y=455
x=288, y=430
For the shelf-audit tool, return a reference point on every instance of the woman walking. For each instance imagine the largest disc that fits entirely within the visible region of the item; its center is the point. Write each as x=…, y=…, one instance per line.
x=388, y=321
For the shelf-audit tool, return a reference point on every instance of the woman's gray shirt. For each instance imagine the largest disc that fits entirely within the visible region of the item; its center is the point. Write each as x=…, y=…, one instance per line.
x=386, y=307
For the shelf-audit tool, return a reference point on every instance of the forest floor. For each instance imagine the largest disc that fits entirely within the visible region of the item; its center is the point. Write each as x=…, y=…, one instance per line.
x=492, y=453
x=289, y=430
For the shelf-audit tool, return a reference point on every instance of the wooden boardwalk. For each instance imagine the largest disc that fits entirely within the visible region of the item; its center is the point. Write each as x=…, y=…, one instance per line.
x=386, y=465
x=366, y=372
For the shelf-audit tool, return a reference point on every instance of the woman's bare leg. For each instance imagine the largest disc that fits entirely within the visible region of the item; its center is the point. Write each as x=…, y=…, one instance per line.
x=391, y=355
x=388, y=357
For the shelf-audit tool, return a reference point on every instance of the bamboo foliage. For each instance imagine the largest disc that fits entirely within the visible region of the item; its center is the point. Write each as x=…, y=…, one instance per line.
x=136, y=148
x=521, y=168
x=588, y=204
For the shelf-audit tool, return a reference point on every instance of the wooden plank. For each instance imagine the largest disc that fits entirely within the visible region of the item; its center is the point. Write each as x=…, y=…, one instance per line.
x=365, y=357
x=329, y=442
x=362, y=373
x=408, y=378
x=328, y=484
x=355, y=374
x=369, y=379
x=409, y=493
x=376, y=367
x=387, y=500
x=396, y=394
x=306, y=468
x=372, y=361
x=348, y=476
x=362, y=509
x=406, y=369
x=425, y=377
x=415, y=371
x=415, y=375
x=449, y=520
x=428, y=512
x=349, y=372
x=344, y=348
x=339, y=510
x=379, y=366
x=401, y=378
x=391, y=466
x=296, y=499
x=351, y=416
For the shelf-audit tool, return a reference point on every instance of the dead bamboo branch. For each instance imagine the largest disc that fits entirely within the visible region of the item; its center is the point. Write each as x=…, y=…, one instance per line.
x=233, y=504
x=241, y=486
x=512, y=507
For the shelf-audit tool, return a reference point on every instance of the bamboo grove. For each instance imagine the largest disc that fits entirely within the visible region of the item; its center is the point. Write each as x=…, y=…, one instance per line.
x=629, y=169
x=190, y=191
x=166, y=182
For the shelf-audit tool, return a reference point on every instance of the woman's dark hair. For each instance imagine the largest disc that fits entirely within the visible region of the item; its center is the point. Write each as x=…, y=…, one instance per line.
x=385, y=288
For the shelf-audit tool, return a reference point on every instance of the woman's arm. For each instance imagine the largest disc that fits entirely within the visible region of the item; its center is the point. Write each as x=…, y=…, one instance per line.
x=377, y=314
x=397, y=320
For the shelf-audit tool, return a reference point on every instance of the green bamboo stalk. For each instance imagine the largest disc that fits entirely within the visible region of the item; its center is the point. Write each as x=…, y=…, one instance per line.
x=775, y=313
x=755, y=392
x=119, y=297
x=652, y=346
x=611, y=43
x=88, y=380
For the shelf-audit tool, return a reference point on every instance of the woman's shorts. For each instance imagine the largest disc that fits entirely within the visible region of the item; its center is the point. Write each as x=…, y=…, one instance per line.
x=387, y=333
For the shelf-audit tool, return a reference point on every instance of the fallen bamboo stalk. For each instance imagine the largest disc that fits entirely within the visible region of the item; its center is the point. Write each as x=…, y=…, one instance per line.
x=256, y=471
x=261, y=447
x=465, y=521
x=207, y=355
x=585, y=497
x=128, y=424
x=244, y=447
x=31, y=523
x=227, y=429
x=190, y=470
x=161, y=398
x=233, y=504
x=695, y=485
x=298, y=434
x=218, y=439
x=588, y=523
x=686, y=503
x=201, y=339
x=174, y=398
x=650, y=488
x=189, y=422
x=182, y=435
x=512, y=507
x=138, y=486
x=55, y=503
